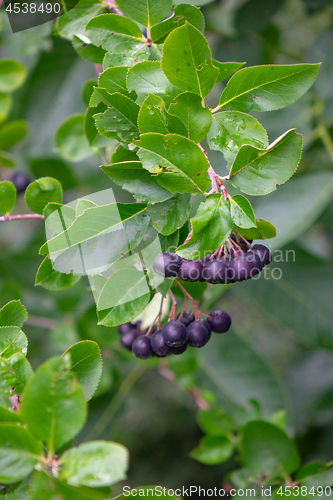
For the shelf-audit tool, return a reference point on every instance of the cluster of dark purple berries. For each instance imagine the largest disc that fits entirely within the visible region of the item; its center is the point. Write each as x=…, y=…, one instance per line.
x=175, y=336
x=218, y=267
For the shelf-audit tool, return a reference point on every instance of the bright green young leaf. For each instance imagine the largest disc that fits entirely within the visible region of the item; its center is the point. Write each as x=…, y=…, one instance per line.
x=146, y=12
x=231, y=130
x=58, y=217
x=186, y=61
x=19, y=452
x=213, y=450
x=182, y=13
x=180, y=163
x=53, y=280
x=259, y=172
x=269, y=87
x=86, y=364
x=8, y=415
x=264, y=230
x=268, y=450
x=11, y=133
x=127, y=171
x=12, y=340
x=94, y=464
x=53, y=404
x=126, y=54
x=73, y=22
x=211, y=227
x=12, y=75
x=89, y=51
x=7, y=197
x=153, y=117
x=226, y=68
x=241, y=212
x=114, y=80
x=90, y=130
x=70, y=141
x=41, y=192
x=215, y=422
x=5, y=105
x=13, y=314
x=147, y=78
x=197, y=119
x=14, y=374
x=46, y=487
x=110, y=30
x=87, y=90
x=170, y=215
x=7, y=160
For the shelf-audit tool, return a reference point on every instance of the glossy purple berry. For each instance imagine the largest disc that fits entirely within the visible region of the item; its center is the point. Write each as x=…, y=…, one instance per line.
x=216, y=271
x=219, y=321
x=141, y=347
x=174, y=333
x=205, y=323
x=127, y=338
x=197, y=334
x=158, y=345
x=190, y=270
x=179, y=350
x=20, y=181
x=167, y=265
x=186, y=318
x=263, y=253
x=125, y=327
x=244, y=267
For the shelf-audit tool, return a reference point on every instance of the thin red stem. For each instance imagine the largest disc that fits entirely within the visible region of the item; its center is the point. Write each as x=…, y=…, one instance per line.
x=249, y=244
x=157, y=318
x=239, y=248
x=185, y=292
x=220, y=253
x=232, y=246
x=212, y=256
x=183, y=309
x=8, y=218
x=174, y=305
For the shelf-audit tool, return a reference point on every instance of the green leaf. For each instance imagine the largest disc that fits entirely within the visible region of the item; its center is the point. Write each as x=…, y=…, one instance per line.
x=213, y=450
x=5, y=105
x=41, y=192
x=211, y=227
x=13, y=314
x=259, y=172
x=89, y=51
x=269, y=87
x=179, y=162
x=70, y=141
x=86, y=364
x=46, y=487
x=182, y=13
x=146, y=12
x=74, y=20
x=52, y=167
x=124, y=296
x=53, y=280
x=7, y=197
x=186, y=61
x=12, y=340
x=241, y=212
x=19, y=452
x=215, y=422
x=153, y=117
x=14, y=374
x=90, y=130
x=110, y=30
x=264, y=230
x=87, y=90
x=231, y=129
x=226, y=68
x=127, y=171
x=196, y=118
x=11, y=133
x=268, y=450
x=147, y=78
x=170, y=215
x=316, y=475
x=7, y=160
x=94, y=464
x=119, y=121
x=114, y=80
x=8, y=415
x=12, y=75
x=53, y=404
x=59, y=217
x=126, y=54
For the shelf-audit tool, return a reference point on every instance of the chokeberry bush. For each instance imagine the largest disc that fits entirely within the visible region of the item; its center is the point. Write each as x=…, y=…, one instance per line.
x=148, y=167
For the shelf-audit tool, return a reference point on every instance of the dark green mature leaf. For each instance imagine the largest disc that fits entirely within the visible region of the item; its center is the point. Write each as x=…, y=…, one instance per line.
x=127, y=171
x=268, y=450
x=126, y=54
x=12, y=340
x=146, y=12
x=53, y=167
x=318, y=477
x=15, y=372
x=186, y=61
x=94, y=464
x=53, y=404
x=13, y=314
x=226, y=68
x=110, y=30
x=147, y=78
x=19, y=452
x=86, y=364
x=11, y=133
x=70, y=141
x=241, y=212
x=5, y=105
x=215, y=422
x=265, y=88
x=114, y=80
x=153, y=117
x=7, y=197
x=41, y=192
x=90, y=130
x=259, y=172
x=182, y=13
x=170, y=215
x=211, y=227
x=74, y=20
x=89, y=51
x=53, y=280
x=213, y=450
x=180, y=163
x=46, y=487
x=197, y=119
x=231, y=129
x=8, y=415
x=263, y=231
x=12, y=75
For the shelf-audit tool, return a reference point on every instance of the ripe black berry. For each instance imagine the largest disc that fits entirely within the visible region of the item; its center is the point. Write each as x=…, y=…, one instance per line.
x=174, y=333
x=125, y=327
x=197, y=334
x=20, y=181
x=128, y=338
x=179, y=350
x=186, y=318
x=263, y=253
x=141, y=347
x=244, y=267
x=219, y=321
x=190, y=270
x=167, y=265
x=205, y=324
x=158, y=345
x=216, y=271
